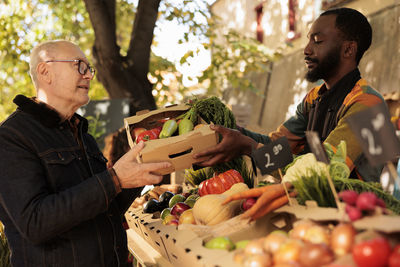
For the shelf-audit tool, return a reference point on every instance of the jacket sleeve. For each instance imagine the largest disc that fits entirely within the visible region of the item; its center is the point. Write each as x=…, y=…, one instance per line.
x=37, y=212
x=355, y=157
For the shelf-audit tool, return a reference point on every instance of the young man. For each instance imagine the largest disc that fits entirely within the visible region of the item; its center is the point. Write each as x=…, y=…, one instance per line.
x=337, y=42
x=58, y=202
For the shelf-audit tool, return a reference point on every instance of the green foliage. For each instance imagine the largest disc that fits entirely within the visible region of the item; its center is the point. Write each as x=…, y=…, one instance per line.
x=24, y=24
x=212, y=110
x=4, y=249
x=97, y=127
x=316, y=187
x=234, y=59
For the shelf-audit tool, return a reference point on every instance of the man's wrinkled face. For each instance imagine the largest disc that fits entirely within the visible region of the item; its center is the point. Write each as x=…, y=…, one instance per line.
x=323, y=51
x=69, y=86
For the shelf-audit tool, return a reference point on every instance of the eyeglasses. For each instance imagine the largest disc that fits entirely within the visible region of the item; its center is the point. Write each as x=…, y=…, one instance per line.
x=83, y=67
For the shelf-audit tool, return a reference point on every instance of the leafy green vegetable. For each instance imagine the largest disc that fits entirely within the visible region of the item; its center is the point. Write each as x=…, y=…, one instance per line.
x=316, y=187
x=211, y=109
x=196, y=177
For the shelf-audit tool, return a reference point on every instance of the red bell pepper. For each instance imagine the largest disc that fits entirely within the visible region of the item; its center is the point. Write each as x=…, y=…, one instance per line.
x=220, y=183
x=149, y=135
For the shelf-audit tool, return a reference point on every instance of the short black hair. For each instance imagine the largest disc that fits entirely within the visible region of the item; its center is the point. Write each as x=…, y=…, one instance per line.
x=354, y=27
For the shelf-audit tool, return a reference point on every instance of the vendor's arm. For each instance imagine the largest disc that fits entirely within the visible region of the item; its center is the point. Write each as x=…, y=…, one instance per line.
x=235, y=143
x=293, y=129
x=232, y=145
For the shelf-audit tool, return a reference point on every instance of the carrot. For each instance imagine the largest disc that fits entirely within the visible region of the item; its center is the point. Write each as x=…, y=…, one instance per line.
x=273, y=205
x=254, y=192
x=265, y=199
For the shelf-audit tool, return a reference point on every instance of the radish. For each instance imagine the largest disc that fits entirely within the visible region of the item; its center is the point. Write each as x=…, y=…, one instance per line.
x=349, y=196
x=248, y=203
x=353, y=212
x=380, y=203
x=366, y=201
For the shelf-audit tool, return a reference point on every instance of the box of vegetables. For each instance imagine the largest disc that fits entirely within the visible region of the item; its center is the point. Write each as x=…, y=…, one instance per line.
x=171, y=134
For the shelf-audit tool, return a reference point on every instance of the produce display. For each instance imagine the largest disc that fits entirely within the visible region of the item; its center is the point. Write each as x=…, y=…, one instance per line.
x=311, y=244
x=219, y=212
x=155, y=193
x=212, y=110
x=223, y=197
x=309, y=178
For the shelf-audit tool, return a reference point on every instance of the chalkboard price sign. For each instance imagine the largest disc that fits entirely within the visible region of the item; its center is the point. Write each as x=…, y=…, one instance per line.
x=316, y=147
x=376, y=134
x=273, y=155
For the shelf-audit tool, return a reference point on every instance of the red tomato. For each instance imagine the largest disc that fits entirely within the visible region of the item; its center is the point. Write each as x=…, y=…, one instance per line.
x=220, y=183
x=372, y=253
x=394, y=259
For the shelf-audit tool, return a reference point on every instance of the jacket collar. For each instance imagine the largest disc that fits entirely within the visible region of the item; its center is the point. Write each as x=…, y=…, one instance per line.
x=44, y=113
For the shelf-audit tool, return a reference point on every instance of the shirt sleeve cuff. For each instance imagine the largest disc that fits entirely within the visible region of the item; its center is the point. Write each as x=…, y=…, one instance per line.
x=114, y=176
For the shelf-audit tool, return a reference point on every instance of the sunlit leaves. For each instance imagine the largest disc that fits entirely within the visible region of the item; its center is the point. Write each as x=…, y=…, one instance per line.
x=234, y=60
x=24, y=24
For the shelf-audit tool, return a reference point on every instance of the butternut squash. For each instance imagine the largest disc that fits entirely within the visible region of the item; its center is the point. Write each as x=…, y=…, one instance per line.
x=208, y=209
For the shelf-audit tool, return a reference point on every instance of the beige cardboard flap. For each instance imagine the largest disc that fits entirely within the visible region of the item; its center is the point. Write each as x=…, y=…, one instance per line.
x=157, y=114
x=179, y=150
x=378, y=222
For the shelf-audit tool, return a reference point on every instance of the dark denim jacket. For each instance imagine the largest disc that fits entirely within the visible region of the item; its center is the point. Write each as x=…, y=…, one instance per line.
x=58, y=203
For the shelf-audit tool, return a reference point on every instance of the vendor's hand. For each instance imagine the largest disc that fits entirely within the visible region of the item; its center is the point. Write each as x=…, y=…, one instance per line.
x=266, y=204
x=132, y=174
x=269, y=198
x=232, y=145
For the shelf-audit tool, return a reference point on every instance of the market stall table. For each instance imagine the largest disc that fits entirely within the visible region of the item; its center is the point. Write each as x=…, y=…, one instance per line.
x=145, y=254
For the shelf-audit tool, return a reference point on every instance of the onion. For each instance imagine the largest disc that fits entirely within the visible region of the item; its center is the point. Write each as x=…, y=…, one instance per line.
x=288, y=264
x=258, y=260
x=300, y=228
x=342, y=238
x=239, y=256
x=288, y=252
x=312, y=255
x=274, y=240
x=317, y=234
x=254, y=247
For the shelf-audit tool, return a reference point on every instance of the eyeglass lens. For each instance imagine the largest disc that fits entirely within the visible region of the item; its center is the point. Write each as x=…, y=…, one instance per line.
x=83, y=68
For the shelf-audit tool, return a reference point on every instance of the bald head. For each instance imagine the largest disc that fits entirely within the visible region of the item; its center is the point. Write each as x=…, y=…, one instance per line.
x=42, y=52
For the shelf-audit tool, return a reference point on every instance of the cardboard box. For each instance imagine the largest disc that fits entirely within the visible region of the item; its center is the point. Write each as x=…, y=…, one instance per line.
x=179, y=149
x=135, y=218
x=185, y=245
x=378, y=222
x=151, y=228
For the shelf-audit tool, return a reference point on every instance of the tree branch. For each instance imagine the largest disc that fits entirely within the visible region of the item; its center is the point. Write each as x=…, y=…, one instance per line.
x=102, y=16
x=142, y=37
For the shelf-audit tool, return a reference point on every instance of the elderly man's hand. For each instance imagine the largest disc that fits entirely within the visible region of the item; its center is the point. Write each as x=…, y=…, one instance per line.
x=133, y=174
x=232, y=145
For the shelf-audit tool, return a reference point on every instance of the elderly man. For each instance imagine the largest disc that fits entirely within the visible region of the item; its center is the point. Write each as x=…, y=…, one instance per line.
x=58, y=202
